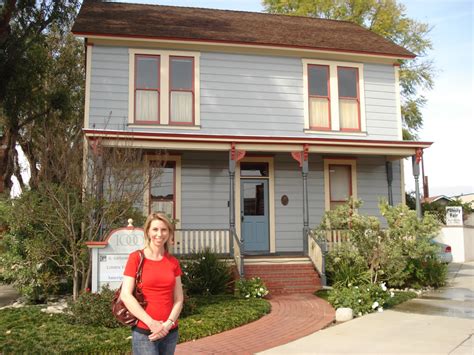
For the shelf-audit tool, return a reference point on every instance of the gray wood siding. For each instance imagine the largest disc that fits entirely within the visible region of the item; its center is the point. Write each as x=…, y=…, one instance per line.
x=372, y=183
x=204, y=190
x=240, y=94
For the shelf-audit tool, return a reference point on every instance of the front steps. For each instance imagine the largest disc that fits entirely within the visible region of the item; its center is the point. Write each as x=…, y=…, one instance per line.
x=284, y=275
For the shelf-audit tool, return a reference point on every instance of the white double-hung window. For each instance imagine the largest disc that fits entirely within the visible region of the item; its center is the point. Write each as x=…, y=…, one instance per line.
x=163, y=88
x=334, y=96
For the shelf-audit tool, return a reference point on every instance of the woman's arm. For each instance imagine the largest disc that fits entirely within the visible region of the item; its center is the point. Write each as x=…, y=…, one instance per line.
x=128, y=285
x=175, y=311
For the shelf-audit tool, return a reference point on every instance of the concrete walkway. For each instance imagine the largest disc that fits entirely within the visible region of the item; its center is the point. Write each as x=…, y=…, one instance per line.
x=441, y=322
x=292, y=317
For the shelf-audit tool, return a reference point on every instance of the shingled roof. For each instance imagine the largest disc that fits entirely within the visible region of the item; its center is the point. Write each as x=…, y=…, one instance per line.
x=240, y=27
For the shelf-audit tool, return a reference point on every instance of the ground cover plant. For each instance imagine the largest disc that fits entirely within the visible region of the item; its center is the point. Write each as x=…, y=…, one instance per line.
x=28, y=330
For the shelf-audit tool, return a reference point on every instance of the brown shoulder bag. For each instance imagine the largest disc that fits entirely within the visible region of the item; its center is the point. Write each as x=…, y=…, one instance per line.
x=119, y=310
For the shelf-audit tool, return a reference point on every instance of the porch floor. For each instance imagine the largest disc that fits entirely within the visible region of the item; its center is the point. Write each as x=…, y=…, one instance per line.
x=292, y=317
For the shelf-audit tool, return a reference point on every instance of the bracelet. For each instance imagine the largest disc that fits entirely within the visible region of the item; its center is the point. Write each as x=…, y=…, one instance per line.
x=172, y=321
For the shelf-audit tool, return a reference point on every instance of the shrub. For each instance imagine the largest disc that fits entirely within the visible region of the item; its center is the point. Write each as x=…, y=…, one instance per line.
x=94, y=309
x=362, y=299
x=251, y=288
x=427, y=272
x=345, y=267
x=205, y=274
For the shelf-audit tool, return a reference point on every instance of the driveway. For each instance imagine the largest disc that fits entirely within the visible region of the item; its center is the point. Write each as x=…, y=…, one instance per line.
x=441, y=322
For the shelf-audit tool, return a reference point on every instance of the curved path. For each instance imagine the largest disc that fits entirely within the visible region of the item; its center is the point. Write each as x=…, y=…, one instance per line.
x=291, y=317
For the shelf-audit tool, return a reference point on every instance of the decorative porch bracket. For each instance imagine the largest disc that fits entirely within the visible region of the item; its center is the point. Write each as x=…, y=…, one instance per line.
x=416, y=159
x=234, y=157
x=302, y=159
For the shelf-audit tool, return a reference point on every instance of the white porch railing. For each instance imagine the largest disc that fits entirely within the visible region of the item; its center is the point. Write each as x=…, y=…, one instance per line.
x=188, y=241
x=336, y=237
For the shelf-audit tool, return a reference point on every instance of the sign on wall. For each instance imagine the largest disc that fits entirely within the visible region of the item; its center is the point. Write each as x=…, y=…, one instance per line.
x=110, y=256
x=454, y=216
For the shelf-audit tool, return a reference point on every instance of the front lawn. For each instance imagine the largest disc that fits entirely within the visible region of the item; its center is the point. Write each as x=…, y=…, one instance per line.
x=28, y=330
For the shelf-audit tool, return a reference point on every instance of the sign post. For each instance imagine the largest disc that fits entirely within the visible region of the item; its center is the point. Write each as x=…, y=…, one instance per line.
x=110, y=256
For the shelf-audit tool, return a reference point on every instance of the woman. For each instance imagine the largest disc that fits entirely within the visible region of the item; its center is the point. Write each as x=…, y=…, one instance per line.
x=157, y=328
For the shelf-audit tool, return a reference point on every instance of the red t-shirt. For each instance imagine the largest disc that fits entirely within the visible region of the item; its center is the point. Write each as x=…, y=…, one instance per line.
x=158, y=281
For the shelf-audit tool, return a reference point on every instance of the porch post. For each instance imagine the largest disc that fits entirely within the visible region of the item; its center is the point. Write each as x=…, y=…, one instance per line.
x=231, y=201
x=304, y=171
x=389, y=168
x=416, y=174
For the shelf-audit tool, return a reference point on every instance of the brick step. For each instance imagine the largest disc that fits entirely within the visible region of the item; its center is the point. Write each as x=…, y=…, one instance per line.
x=286, y=278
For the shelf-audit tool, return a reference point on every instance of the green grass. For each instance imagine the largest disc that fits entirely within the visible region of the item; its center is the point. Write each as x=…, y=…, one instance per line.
x=323, y=293
x=400, y=297
x=28, y=330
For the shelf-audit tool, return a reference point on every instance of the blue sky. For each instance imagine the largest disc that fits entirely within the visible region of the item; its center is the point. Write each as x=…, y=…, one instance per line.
x=448, y=115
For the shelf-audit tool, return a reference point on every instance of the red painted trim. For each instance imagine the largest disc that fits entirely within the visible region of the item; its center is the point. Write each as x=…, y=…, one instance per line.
x=106, y=240
x=246, y=139
x=158, y=89
x=192, y=123
x=85, y=34
x=328, y=97
x=357, y=99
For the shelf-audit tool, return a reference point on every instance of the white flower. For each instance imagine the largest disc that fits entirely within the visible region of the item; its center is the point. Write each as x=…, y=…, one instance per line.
x=203, y=258
x=356, y=287
x=375, y=305
x=380, y=309
x=360, y=301
x=383, y=287
x=392, y=294
x=360, y=314
x=247, y=296
x=261, y=289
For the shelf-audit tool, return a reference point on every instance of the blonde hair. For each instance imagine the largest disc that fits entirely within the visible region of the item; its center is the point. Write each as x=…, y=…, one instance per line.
x=159, y=216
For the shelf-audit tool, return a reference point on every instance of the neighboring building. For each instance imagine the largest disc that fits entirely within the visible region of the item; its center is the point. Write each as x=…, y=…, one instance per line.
x=269, y=120
x=466, y=198
x=441, y=199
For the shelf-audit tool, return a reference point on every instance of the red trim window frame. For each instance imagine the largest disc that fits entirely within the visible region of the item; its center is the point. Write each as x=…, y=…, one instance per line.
x=168, y=164
x=357, y=99
x=350, y=183
x=328, y=97
x=192, y=123
x=158, y=89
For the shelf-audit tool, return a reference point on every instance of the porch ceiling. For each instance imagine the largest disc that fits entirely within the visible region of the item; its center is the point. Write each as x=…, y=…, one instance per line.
x=267, y=144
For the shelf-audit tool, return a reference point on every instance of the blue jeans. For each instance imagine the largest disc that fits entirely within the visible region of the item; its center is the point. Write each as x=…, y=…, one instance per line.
x=141, y=345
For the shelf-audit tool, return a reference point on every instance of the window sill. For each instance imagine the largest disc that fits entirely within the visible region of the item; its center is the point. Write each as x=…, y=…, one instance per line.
x=193, y=127
x=339, y=133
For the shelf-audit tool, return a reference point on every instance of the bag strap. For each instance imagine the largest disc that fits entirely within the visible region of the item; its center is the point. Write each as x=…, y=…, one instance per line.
x=138, y=276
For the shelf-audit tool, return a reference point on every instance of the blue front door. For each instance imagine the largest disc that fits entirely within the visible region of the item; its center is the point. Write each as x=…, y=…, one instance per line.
x=254, y=215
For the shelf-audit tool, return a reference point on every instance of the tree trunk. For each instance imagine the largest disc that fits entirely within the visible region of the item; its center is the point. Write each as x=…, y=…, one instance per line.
x=7, y=166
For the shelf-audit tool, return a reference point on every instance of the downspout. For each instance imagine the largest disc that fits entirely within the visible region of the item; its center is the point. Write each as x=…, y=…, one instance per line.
x=389, y=169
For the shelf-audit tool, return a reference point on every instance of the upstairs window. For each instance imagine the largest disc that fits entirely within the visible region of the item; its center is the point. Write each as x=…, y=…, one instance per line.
x=147, y=88
x=349, y=107
x=181, y=90
x=319, y=104
x=334, y=100
x=164, y=88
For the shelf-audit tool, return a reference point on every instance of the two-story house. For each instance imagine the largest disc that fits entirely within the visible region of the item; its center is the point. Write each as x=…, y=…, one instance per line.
x=268, y=120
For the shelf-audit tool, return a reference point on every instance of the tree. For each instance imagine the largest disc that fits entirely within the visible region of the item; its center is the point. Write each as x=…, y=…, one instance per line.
x=387, y=18
x=48, y=226
x=31, y=91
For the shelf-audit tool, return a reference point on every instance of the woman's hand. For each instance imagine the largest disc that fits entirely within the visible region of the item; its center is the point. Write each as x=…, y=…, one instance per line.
x=160, y=331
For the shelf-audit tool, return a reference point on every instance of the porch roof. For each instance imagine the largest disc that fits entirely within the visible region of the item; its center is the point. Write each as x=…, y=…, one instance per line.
x=148, y=140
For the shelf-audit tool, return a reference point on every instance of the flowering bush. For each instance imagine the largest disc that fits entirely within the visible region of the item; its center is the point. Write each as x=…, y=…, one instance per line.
x=362, y=299
x=251, y=288
x=205, y=274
